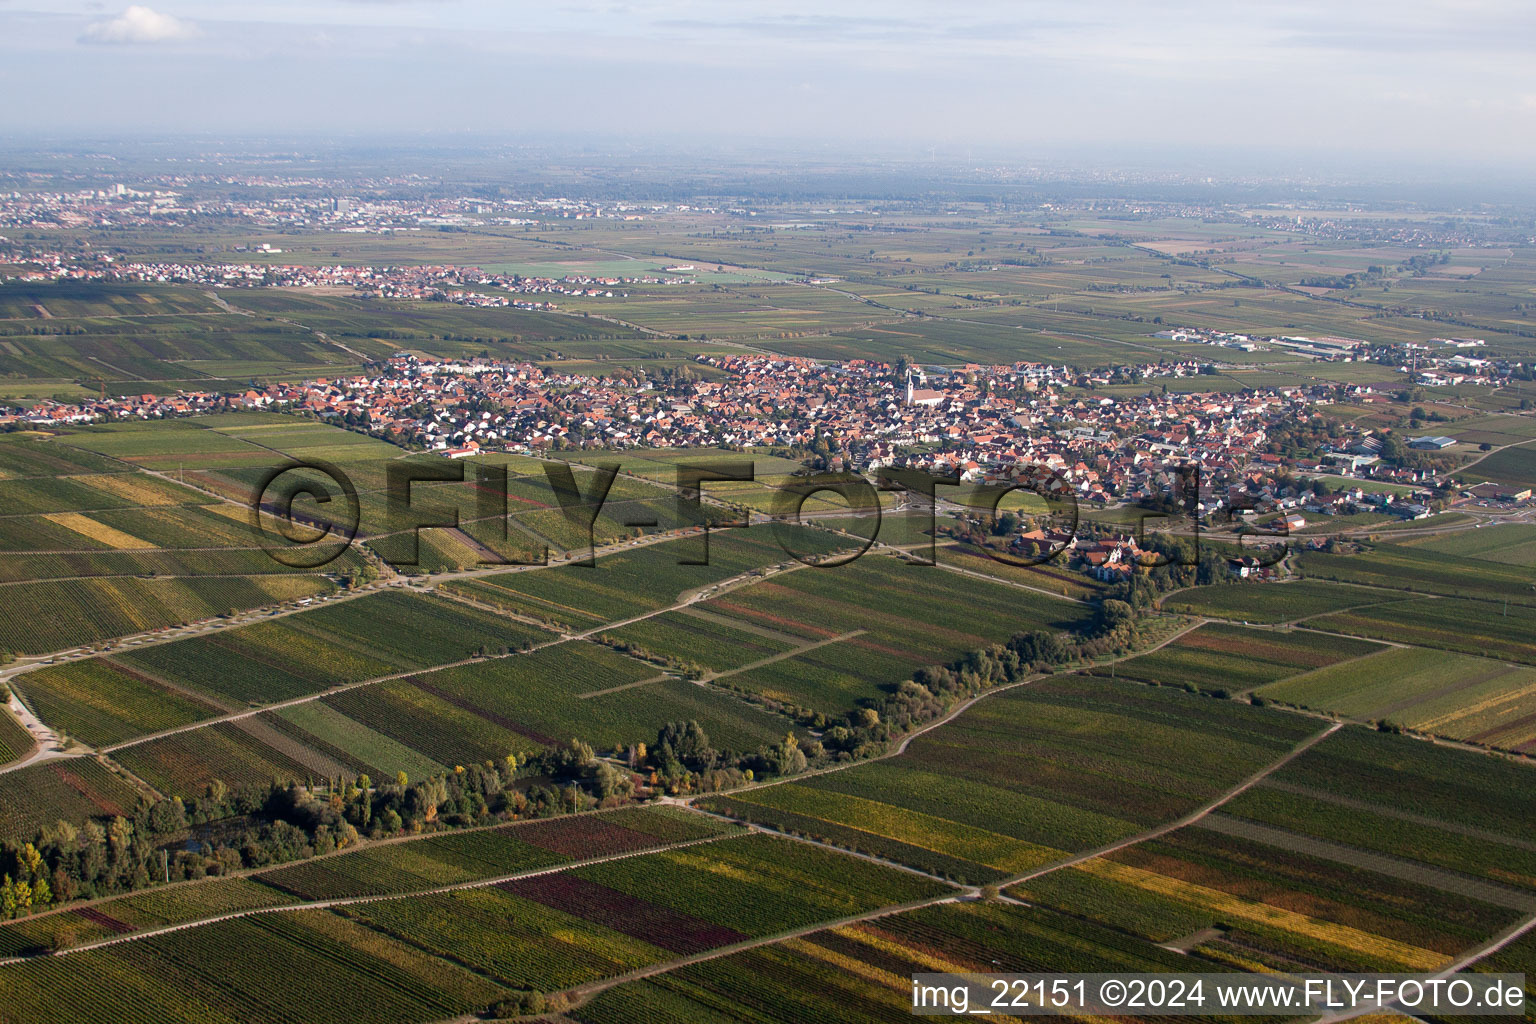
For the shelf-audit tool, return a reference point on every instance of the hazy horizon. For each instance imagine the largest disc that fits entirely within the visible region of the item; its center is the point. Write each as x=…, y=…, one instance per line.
x=1443, y=86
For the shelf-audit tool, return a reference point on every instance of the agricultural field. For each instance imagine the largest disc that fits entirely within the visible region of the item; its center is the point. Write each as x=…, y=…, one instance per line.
x=855, y=973
x=631, y=583
x=430, y=956
x=1419, y=570
x=1272, y=602
x=102, y=701
x=1506, y=543
x=1052, y=577
x=1494, y=430
x=1143, y=819
x=75, y=613
x=1296, y=905
x=1514, y=466
x=455, y=857
x=877, y=620
x=1465, y=698
x=430, y=721
x=692, y=636
x=1469, y=626
x=1224, y=659
x=590, y=692
x=1027, y=777
x=15, y=741
x=172, y=976
x=1367, y=852
x=111, y=699
x=68, y=789
x=137, y=912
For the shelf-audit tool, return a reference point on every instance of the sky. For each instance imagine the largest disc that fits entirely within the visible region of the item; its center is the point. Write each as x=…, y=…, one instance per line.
x=1360, y=81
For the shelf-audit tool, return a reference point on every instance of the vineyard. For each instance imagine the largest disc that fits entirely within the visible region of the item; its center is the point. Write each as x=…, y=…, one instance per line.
x=173, y=977
x=609, y=700
x=863, y=972
x=345, y=642
x=909, y=617
x=631, y=583
x=688, y=637
x=1424, y=571
x=185, y=763
x=72, y=789
x=38, y=495
x=15, y=741
x=1507, y=543
x=1270, y=602
x=101, y=701
x=1466, y=698
x=1367, y=852
x=22, y=457
x=155, y=908
x=1277, y=906
x=21, y=568
x=984, y=798
x=1232, y=659
x=422, y=957
x=453, y=858
x=1472, y=627
x=69, y=613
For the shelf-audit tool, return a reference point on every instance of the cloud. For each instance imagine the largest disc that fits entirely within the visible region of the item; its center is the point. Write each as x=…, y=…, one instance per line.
x=138, y=25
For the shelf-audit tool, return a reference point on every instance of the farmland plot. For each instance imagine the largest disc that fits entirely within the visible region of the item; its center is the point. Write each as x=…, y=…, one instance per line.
x=15, y=741
x=1023, y=778
x=1452, y=624
x=1466, y=698
x=863, y=972
x=451, y=858
x=1272, y=602
x=1276, y=905
x=587, y=691
x=71, y=613
x=354, y=974
x=631, y=583
x=345, y=642
x=1220, y=658
x=907, y=617
x=71, y=789
x=1424, y=571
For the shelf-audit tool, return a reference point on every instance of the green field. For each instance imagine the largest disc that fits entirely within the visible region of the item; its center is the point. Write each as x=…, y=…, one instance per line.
x=1025, y=778
x=862, y=972
x=1267, y=602
x=1425, y=571
x=115, y=698
x=878, y=620
x=1471, y=627
x=1369, y=851
x=1465, y=698
x=71, y=789
x=431, y=956
x=1232, y=659
x=1505, y=543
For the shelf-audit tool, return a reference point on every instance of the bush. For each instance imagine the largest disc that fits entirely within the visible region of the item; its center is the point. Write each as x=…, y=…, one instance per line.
x=520, y=1003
